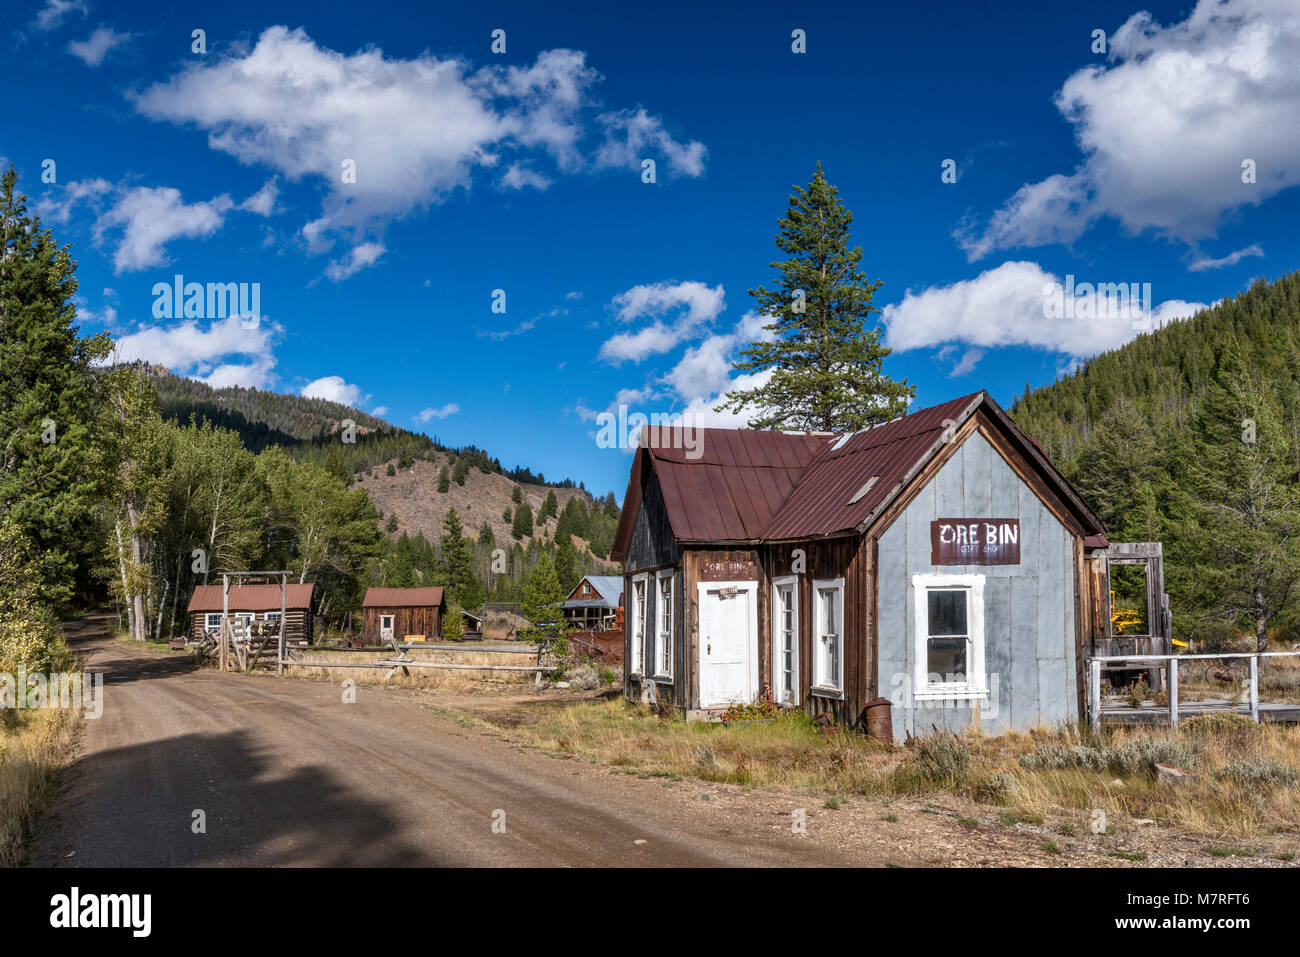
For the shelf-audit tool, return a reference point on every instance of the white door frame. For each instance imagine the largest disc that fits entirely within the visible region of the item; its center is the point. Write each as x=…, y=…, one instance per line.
x=750, y=588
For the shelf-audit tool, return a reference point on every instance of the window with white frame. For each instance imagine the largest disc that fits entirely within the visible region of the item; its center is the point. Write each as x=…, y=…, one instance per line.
x=638, y=624
x=664, y=616
x=785, y=640
x=828, y=635
x=949, y=637
x=212, y=621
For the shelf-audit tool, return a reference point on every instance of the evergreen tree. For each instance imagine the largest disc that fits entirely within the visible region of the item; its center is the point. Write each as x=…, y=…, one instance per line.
x=516, y=495
x=458, y=474
x=825, y=364
x=455, y=564
x=566, y=564
x=49, y=465
x=550, y=507
x=542, y=602
x=453, y=625
x=444, y=480
x=523, y=523
x=1236, y=509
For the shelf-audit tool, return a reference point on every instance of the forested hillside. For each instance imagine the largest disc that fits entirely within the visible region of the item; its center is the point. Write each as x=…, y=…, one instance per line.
x=129, y=483
x=1190, y=434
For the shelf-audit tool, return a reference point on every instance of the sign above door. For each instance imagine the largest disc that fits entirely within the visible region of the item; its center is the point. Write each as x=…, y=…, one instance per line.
x=975, y=541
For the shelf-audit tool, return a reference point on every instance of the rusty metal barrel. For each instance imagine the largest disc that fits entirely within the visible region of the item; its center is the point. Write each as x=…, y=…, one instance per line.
x=880, y=719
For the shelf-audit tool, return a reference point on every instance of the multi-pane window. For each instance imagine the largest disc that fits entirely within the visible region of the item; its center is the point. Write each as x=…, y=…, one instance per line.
x=638, y=625
x=664, y=614
x=785, y=644
x=828, y=622
x=949, y=649
x=212, y=621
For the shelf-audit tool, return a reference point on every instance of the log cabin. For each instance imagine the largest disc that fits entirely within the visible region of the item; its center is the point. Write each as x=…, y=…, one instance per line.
x=402, y=613
x=253, y=604
x=939, y=562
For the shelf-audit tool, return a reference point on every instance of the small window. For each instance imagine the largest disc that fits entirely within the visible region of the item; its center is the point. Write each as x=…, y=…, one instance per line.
x=828, y=632
x=637, y=658
x=664, y=637
x=949, y=636
x=212, y=621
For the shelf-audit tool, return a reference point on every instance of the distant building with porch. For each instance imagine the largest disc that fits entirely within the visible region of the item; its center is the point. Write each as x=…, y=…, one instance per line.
x=595, y=604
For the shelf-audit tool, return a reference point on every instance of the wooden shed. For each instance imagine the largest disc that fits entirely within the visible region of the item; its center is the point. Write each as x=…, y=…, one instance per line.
x=249, y=604
x=939, y=561
x=402, y=613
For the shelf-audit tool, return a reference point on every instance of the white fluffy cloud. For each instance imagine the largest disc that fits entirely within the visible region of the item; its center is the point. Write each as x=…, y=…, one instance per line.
x=209, y=352
x=92, y=50
x=357, y=259
x=54, y=12
x=416, y=129
x=429, y=414
x=333, y=389
x=1165, y=126
x=144, y=219
x=681, y=311
x=1005, y=307
x=151, y=217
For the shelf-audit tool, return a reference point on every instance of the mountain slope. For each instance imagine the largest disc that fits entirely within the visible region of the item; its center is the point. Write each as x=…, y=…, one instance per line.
x=1161, y=375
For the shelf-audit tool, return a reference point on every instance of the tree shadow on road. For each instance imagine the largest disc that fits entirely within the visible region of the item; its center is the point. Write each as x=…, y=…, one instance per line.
x=135, y=807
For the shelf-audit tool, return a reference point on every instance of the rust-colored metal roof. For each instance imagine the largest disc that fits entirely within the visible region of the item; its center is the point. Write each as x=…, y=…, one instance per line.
x=822, y=502
x=730, y=483
x=251, y=597
x=430, y=596
x=751, y=486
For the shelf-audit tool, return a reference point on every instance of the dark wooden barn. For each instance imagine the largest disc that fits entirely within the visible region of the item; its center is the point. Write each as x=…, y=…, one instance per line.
x=253, y=604
x=939, y=561
x=402, y=614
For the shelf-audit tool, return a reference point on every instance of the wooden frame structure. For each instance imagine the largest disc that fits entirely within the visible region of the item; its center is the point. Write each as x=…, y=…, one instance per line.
x=244, y=654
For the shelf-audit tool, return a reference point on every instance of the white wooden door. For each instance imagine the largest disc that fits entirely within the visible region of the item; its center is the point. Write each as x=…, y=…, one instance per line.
x=385, y=627
x=728, y=658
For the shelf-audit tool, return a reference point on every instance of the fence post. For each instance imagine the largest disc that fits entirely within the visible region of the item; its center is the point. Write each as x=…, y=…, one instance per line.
x=1094, y=693
x=1173, y=692
x=1254, y=688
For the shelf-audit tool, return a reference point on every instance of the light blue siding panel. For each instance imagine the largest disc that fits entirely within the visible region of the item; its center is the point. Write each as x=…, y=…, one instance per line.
x=1029, y=608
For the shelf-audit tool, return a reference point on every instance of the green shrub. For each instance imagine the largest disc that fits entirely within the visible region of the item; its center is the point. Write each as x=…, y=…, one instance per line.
x=1260, y=772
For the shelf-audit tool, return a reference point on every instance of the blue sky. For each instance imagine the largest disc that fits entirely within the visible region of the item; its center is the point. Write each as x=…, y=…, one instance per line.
x=522, y=171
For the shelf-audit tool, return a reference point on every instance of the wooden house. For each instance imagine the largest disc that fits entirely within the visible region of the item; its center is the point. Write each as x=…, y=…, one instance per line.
x=253, y=604
x=402, y=613
x=594, y=603
x=938, y=561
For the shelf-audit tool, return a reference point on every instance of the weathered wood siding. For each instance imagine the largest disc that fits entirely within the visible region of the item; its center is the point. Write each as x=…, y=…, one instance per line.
x=653, y=548
x=848, y=558
x=419, y=620
x=1029, y=608
x=297, y=624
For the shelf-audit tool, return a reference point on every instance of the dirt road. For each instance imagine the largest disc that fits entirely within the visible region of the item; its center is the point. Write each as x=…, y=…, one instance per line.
x=286, y=773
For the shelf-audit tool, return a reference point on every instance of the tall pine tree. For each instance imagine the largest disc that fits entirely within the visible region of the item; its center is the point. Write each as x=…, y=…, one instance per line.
x=50, y=466
x=824, y=363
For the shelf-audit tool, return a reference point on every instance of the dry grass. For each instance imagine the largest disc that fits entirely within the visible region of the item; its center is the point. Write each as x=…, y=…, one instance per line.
x=1247, y=777
x=1279, y=679
x=787, y=751
x=33, y=746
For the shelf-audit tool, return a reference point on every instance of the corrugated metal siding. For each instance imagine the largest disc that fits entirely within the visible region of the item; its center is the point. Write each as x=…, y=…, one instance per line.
x=1029, y=608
